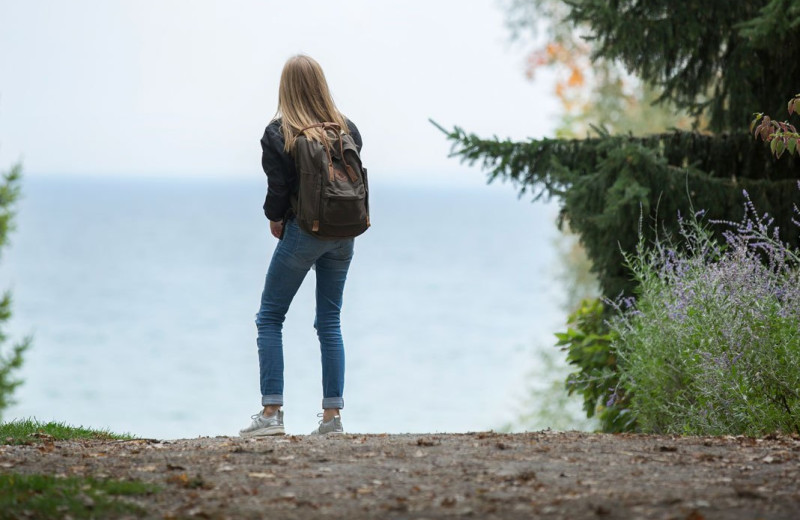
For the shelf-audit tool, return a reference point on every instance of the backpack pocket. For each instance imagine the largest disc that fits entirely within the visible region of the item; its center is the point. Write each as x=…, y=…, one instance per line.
x=344, y=207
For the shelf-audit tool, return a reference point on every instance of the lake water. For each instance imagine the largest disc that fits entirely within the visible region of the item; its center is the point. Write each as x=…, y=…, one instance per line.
x=141, y=296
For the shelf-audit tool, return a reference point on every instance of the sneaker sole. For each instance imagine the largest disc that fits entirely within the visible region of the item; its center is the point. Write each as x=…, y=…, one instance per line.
x=264, y=432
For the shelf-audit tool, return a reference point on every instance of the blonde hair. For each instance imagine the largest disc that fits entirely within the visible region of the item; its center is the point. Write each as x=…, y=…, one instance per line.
x=304, y=99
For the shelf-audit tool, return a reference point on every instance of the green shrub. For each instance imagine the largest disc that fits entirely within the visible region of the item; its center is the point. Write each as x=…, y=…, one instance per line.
x=712, y=343
x=588, y=344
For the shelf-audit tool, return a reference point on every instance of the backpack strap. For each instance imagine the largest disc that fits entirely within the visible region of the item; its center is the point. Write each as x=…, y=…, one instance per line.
x=338, y=129
x=324, y=126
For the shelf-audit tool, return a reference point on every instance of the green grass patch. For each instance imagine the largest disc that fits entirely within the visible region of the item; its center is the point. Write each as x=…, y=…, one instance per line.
x=27, y=431
x=45, y=496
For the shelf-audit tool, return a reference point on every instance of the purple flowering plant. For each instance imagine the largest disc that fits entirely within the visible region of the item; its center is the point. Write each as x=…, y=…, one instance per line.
x=711, y=344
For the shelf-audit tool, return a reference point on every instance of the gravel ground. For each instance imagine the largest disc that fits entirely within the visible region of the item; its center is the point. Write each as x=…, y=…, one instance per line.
x=487, y=475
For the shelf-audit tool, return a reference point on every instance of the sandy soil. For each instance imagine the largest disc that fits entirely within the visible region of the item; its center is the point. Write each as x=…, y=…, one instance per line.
x=481, y=475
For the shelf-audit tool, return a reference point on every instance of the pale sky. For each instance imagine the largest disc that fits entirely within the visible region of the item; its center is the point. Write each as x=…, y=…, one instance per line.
x=168, y=87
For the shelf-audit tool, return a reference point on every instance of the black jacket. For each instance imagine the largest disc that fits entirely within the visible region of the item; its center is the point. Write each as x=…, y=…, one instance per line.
x=280, y=170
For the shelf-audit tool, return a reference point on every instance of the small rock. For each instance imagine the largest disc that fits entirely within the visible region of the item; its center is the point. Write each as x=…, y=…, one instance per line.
x=260, y=475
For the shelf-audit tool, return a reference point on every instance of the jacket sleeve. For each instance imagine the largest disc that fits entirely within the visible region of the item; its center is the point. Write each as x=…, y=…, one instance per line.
x=355, y=134
x=274, y=163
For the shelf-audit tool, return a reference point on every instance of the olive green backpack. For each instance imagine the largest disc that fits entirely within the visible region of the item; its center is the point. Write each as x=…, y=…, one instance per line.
x=332, y=200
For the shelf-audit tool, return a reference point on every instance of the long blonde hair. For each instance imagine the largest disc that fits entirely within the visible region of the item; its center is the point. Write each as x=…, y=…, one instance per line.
x=304, y=99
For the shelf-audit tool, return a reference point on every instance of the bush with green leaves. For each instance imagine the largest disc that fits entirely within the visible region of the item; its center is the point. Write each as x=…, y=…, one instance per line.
x=588, y=344
x=782, y=135
x=11, y=360
x=711, y=344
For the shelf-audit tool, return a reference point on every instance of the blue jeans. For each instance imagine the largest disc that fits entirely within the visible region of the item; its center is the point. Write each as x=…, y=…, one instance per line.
x=293, y=257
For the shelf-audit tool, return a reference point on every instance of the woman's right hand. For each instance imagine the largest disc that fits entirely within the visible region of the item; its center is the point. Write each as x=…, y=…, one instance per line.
x=276, y=228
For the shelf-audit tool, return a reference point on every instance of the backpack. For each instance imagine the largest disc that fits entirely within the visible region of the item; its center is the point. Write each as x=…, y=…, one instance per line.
x=332, y=200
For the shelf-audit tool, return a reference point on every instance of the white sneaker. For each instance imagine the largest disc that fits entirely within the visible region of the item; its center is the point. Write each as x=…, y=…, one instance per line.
x=334, y=426
x=264, y=425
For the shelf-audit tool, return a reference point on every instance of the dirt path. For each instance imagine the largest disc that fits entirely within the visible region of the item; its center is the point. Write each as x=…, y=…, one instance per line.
x=480, y=475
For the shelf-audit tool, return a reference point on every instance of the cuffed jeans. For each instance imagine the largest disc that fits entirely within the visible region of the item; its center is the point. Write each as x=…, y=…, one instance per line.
x=293, y=257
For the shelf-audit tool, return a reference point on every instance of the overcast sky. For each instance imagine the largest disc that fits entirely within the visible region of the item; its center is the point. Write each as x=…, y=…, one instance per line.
x=167, y=87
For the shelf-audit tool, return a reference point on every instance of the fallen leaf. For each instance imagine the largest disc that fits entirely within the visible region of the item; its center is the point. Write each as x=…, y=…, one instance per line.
x=526, y=476
x=602, y=511
x=746, y=492
x=707, y=457
x=448, y=502
x=181, y=479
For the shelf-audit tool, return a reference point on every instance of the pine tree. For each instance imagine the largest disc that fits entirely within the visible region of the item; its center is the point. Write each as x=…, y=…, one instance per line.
x=9, y=193
x=728, y=59
x=719, y=60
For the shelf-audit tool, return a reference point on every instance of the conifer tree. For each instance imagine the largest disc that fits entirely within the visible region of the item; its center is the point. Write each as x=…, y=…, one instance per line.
x=721, y=61
x=12, y=360
x=728, y=59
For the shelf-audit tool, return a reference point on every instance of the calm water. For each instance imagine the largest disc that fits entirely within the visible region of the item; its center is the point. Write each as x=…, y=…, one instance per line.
x=141, y=296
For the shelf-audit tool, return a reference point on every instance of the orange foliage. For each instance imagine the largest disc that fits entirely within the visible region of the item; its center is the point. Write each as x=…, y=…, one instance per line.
x=576, y=78
x=571, y=56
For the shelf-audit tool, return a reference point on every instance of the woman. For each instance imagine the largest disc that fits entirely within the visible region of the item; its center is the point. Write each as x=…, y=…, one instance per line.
x=303, y=100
